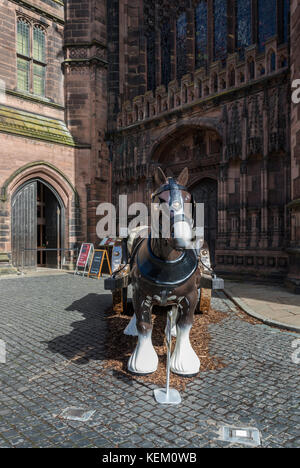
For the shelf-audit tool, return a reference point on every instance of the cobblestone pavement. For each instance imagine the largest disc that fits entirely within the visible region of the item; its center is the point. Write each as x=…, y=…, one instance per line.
x=54, y=330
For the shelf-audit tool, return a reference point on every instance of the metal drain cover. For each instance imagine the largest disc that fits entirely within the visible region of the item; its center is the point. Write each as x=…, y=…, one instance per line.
x=76, y=414
x=239, y=435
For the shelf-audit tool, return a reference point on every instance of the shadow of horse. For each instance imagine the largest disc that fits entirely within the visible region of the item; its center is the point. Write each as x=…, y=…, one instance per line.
x=87, y=339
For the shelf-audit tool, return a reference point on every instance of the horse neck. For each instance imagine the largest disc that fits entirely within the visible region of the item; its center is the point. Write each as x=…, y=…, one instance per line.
x=163, y=250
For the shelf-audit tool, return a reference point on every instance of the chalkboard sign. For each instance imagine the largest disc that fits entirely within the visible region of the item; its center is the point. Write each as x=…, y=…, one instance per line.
x=97, y=263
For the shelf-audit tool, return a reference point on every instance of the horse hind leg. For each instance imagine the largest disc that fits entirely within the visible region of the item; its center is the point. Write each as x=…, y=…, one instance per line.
x=184, y=360
x=144, y=359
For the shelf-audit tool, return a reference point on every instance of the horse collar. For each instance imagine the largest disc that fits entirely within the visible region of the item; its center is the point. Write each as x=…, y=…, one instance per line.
x=168, y=274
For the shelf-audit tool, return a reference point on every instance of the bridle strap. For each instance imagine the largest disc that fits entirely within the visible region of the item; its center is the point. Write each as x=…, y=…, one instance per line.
x=171, y=185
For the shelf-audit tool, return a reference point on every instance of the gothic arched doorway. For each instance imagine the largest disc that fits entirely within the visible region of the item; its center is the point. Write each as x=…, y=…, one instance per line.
x=37, y=225
x=206, y=191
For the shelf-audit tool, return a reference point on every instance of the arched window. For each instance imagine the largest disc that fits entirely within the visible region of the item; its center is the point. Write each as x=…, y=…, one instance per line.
x=172, y=100
x=181, y=49
x=39, y=59
x=272, y=61
x=39, y=44
x=251, y=69
x=23, y=37
x=243, y=25
x=201, y=34
x=200, y=89
x=232, y=77
x=166, y=54
x=158, y=104
x=136, y=113
x=23, y=55
x=215, y=83
x=185, y=94
x=220, y=29
x=267, y=21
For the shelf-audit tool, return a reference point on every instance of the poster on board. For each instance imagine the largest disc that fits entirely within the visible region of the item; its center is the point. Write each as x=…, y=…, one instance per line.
x=83, y=261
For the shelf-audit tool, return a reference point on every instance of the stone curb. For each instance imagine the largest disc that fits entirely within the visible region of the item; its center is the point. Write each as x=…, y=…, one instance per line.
x=240, y=303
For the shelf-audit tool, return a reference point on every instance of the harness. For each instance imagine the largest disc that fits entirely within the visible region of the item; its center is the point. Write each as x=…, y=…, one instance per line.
x=169, y=274
x=175, y=195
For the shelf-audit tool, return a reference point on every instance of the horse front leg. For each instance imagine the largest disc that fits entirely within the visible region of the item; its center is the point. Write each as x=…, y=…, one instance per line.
x=144, y=360
x=184, y=360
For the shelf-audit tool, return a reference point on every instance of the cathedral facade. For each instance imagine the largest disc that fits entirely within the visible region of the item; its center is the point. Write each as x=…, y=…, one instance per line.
x=96, y=94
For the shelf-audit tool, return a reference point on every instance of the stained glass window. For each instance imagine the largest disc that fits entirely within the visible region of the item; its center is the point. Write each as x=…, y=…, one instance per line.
x=181, y=52
x=38, y=79
x=201, y=34
x=244, y=25
x=286, y=13
x=267, y=21
x=220, y=29
x=151, y=68
x=23, y=74
x=39, y=44
x=166, y=53
x=23, y=44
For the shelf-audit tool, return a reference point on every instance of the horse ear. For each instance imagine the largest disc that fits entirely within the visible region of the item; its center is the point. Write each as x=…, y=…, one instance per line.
x=184, y=177
x=159, y=177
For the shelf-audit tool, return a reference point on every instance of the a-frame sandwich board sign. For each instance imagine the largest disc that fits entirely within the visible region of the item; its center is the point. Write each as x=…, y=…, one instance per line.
x=97, y=263
x=84, y=259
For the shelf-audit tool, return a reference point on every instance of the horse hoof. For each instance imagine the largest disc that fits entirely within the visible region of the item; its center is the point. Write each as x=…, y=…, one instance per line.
x=186, y=376
x=139, y=374
x=144, y=360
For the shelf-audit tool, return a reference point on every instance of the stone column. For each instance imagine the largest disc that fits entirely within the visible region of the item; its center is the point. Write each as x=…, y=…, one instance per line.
x=243, y=205
x=254, y=230
x=264, y=204
x=293, y=279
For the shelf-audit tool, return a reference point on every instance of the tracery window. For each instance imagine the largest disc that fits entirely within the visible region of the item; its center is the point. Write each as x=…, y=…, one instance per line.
x=151, y=68
x=286, y=14
x=166, y=53
x=243, y=25
x=149, y=15
x=220, y=29
x=201, y=34
x=181, y=49
x=267, y=21
x=23, y=54
x=39, y=58
x=31, y=58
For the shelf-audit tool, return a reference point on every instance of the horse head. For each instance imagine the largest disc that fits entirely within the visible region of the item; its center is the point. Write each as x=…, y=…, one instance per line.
x=173, y=210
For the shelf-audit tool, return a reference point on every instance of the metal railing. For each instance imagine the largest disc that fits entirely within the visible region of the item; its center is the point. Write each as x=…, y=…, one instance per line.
x=61, y=260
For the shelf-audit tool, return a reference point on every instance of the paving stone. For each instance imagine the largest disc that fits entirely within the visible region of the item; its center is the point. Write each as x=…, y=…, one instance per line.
x=55, y=332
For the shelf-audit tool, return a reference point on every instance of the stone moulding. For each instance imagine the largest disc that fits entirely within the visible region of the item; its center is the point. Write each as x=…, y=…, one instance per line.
x=30, y=97
x=41, y=12
x=294, y=204
x=3, y=189
x=21, y=123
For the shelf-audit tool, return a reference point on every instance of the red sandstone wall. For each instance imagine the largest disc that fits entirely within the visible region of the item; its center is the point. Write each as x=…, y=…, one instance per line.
x=51, y=16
